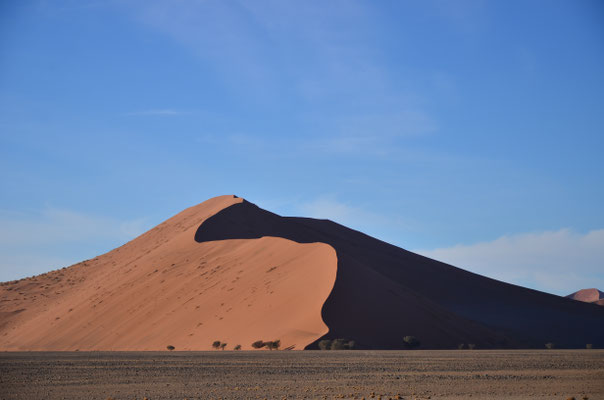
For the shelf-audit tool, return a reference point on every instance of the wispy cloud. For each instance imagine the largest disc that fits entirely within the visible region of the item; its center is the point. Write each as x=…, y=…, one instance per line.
x=323, y=56
x=559, y=262
x=329, y=207
x=54, y=225
x=33, y=243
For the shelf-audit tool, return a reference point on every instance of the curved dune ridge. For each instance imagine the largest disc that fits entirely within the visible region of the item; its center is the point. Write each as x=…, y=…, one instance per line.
x=163, y=288
x=228, y=270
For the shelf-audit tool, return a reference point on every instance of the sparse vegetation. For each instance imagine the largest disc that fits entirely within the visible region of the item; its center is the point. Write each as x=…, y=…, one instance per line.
x=170, y=347
x=337, y=344
x=238, y=347
x=274, y=345
x=550, y=345
x=271, y=344
x=471, y=346
x=216, y=344
x=342, y=344
x=325, y=344
x=589, y=346
x=411, y=342
x=461, y=346
x=222, y=346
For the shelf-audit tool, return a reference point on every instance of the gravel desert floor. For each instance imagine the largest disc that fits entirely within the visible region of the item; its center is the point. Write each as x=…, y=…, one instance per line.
x=462, y=374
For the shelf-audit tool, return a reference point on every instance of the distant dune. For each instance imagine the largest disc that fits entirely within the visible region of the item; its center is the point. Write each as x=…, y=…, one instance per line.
x=227, y=270
x=588, y=295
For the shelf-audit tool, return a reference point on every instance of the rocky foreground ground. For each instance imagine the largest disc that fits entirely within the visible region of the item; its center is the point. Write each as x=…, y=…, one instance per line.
x=551, y=374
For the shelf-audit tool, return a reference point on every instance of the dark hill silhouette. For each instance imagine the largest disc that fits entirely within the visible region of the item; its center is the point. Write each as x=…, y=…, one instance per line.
x=383, y=293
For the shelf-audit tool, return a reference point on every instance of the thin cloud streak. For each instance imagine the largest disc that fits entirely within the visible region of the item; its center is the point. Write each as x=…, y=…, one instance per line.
x=560, y=262
x=37, y=242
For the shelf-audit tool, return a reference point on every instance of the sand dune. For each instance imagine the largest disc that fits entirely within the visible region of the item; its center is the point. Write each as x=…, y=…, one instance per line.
x=164, y=288
x=587, y=295
x=383, y=293
x=227, y=270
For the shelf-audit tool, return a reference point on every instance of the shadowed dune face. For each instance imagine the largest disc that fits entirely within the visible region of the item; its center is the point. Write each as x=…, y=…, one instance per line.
x=164, y=288
x=383, y=293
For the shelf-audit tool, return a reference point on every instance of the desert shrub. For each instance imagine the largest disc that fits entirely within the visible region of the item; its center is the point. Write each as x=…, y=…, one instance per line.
x=338, y=344
x=170, y=347
x=216, y=344
x=238, y=347
x=342, y=344
x=549, y=345
x=589, y=346
x=461, y=346
x=411, y=342
x=258, y=344
x=471, y=346
x=274, y=345
x=222, y=346
x=325, y=344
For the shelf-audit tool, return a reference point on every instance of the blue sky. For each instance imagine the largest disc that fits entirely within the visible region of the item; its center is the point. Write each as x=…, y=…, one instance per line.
x=470, y=131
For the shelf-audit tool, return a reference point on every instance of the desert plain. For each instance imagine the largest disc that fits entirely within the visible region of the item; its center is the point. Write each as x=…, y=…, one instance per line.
x=416, y=374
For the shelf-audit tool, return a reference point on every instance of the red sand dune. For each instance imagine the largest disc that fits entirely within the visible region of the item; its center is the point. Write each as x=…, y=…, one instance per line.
x=227, y=270
x=163, y=289
x=587, y=295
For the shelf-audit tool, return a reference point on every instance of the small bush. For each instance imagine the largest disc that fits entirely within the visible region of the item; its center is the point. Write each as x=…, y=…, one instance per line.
x=461, y=346
x=471, y=346
x=411, y=342
x=325, y=344
x=238, y=347
x=170, y=347
x=549, y=345
x=222, y=346
x=342, y=344
x=216, y=344
x=589, y=346
x=258, y=344
x=274, y=345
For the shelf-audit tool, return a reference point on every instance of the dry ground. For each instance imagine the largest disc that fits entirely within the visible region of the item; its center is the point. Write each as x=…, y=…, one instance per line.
x=551, y=374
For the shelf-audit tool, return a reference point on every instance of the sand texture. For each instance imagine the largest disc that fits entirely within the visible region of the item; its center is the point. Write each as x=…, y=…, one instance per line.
x=228, y=270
